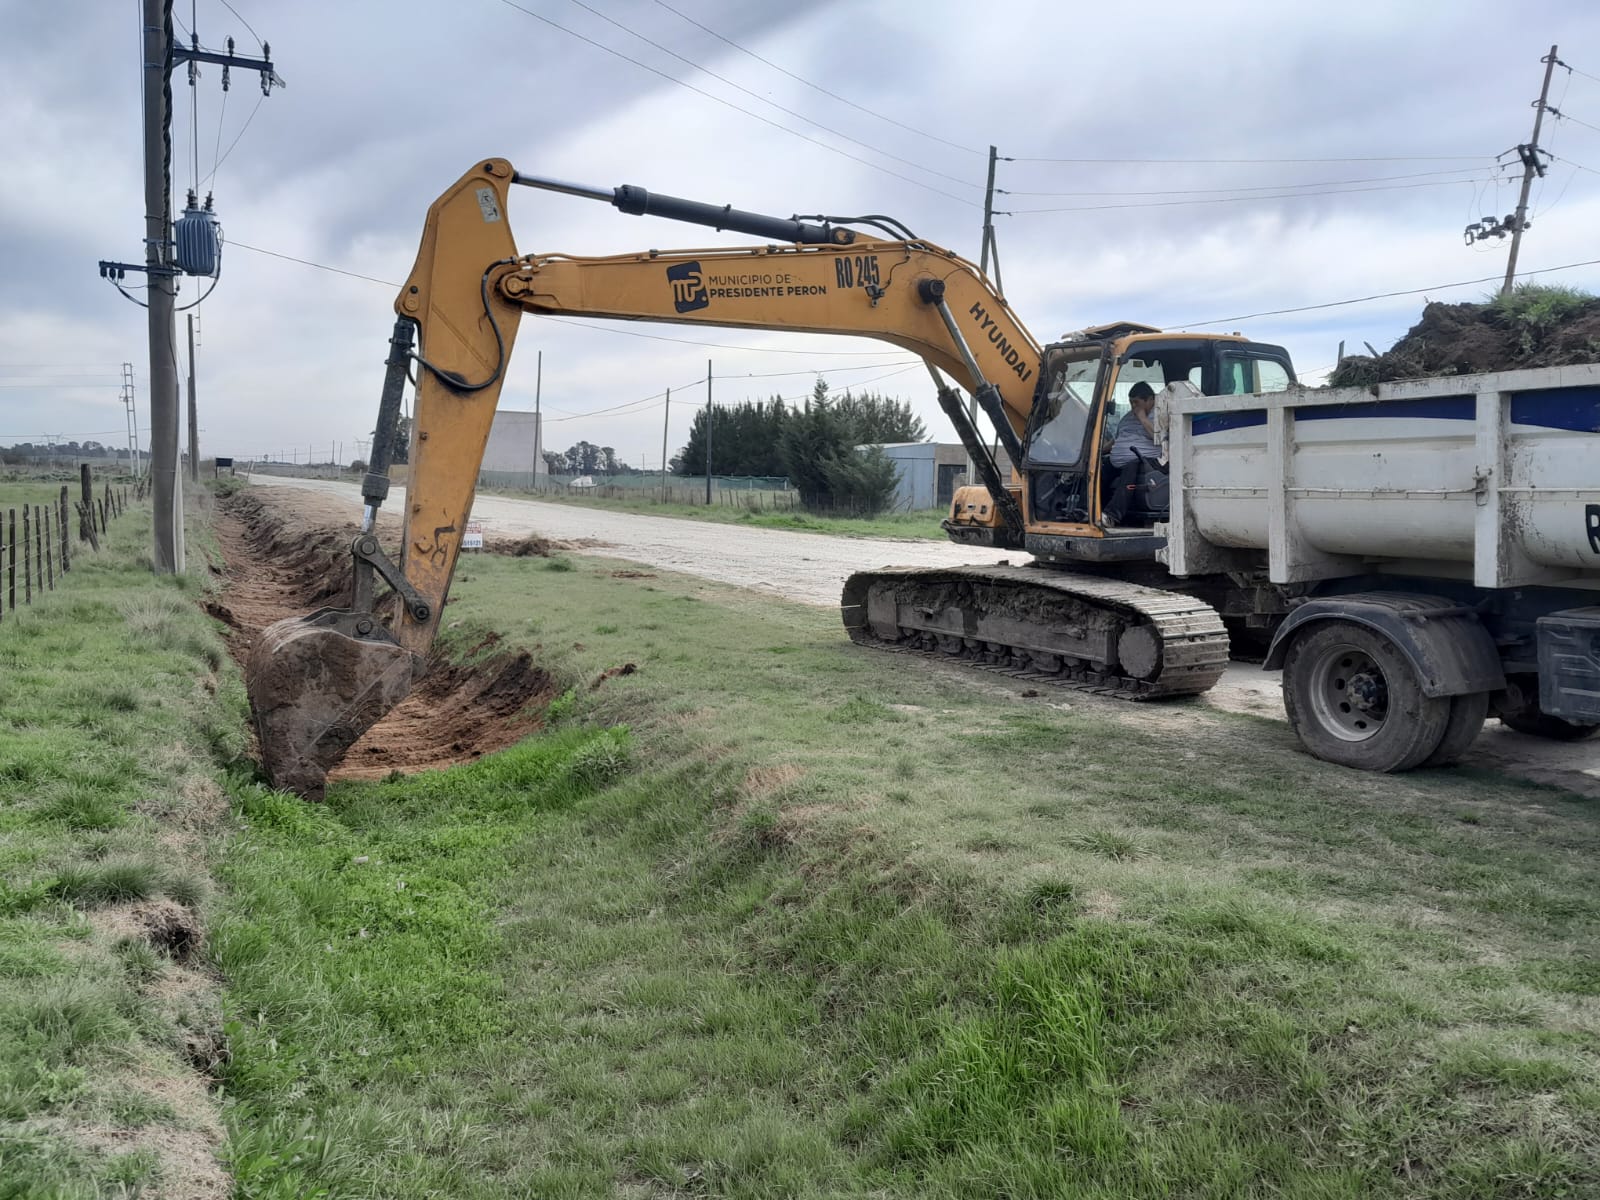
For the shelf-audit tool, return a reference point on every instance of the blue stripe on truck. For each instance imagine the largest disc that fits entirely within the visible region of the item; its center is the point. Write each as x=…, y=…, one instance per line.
x=1558, y=408
x=1577, y=409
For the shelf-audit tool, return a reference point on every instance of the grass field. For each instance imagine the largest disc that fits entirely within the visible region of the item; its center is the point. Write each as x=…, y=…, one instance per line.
x=776, y=916
x=118, y=705
x=770, y=916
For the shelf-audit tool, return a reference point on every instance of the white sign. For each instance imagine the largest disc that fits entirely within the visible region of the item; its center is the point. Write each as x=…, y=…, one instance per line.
x=473, y=538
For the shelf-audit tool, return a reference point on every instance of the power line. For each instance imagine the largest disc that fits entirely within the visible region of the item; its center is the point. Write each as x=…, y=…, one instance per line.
x=561, y=320
x=242, y=21
x=774, y=104
x=1561, y=116
x=1571, y=70
x=1395, y=187
x=737, y=108
x=817, y=87
x=1268, y=187
x=306, y=262
x=218, y=163
x=1241, y=161
x=1438, y=287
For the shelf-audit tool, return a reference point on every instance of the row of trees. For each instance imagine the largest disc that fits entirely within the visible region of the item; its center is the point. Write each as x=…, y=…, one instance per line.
x=814, y=445
x=24, y=452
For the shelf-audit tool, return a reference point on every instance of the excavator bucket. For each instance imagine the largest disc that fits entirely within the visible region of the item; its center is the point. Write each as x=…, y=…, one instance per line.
x=316, y=684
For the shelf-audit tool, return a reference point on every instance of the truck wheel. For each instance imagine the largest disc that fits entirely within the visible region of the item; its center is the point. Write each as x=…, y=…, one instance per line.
x=1467, y=715
x=1538, y=724
x=1354, y=699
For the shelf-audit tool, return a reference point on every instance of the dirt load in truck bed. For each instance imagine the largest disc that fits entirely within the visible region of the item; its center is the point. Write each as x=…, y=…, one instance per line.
x=1535, y=326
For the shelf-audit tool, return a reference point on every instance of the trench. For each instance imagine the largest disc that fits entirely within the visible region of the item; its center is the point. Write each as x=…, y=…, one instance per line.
x=281, y=563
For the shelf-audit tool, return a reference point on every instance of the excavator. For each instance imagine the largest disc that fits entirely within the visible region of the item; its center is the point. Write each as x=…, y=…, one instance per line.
x=1093, y=609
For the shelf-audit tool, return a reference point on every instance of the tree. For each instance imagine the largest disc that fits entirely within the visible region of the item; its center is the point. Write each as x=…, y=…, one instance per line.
x=554, y=463
x=820, y=455
x=875, y=418
x=744, y=439
x=862, y=481
x=582, y=459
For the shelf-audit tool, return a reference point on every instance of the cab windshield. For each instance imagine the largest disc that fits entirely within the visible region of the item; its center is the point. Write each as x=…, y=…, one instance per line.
x=1058, y=438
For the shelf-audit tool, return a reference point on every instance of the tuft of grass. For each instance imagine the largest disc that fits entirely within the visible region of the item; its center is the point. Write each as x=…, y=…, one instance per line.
x=1107, y=843
x=109, y=883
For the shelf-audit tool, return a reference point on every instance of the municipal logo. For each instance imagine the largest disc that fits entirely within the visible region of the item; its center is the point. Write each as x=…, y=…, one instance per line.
x=688, y=287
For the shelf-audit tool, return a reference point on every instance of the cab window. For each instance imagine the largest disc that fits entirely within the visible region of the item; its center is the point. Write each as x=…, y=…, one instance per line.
x=1244, y=373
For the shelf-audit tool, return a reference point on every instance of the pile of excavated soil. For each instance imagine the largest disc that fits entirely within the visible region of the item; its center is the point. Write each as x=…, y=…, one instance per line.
x=1470, y=339
x=285, y=558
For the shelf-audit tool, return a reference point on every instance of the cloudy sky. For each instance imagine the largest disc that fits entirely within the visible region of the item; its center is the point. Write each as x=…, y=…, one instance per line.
x=1252, y=156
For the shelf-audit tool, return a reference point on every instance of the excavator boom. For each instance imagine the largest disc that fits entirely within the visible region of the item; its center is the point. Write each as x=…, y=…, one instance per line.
x=317, y=683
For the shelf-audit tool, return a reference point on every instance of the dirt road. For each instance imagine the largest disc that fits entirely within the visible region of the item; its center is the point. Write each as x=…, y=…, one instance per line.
x=810, y=568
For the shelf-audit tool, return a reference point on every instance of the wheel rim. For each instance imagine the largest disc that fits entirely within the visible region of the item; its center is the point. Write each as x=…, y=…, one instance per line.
x=1349, y=693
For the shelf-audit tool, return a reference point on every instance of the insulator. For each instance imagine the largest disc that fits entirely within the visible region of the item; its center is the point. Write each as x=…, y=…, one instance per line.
x=197, y=240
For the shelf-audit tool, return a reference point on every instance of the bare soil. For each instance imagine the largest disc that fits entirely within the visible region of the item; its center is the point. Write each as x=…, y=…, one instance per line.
x=285, y=558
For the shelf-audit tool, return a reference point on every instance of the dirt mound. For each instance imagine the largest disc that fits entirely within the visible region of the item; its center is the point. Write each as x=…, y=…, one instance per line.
x=533, y=546
x=1532, y=327
x=283, y=561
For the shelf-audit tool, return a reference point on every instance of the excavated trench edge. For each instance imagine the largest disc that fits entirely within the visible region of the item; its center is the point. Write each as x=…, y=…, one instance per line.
x=282, y=563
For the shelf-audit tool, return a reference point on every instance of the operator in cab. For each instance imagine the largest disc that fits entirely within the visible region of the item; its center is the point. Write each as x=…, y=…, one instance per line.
x=1135, y=445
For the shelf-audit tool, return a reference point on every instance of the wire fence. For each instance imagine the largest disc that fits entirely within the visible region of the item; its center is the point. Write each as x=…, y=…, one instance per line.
x=39, y=548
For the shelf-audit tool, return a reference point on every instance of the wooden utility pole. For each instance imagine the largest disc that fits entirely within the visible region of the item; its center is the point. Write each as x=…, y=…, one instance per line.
x=1531, y=166
x=666, y=416
x=983, y=266
x=710, y=414
x=538, y=418
x=194, y=420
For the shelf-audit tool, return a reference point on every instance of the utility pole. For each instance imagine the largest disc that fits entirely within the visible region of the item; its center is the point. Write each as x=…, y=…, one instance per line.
x=710, y=414
x=983, y=266
x=133, y=419
x=163, y=261
x=1531, y=166
x=666, y=416
x=166, y=494
x=194, y=420
x=538, y=418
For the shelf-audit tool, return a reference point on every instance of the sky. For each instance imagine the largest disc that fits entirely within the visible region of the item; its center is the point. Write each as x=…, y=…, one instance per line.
x=1186, y=166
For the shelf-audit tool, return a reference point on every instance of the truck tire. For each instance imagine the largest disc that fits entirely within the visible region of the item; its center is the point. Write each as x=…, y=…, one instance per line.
x=1467, y=715
x=1355, y=700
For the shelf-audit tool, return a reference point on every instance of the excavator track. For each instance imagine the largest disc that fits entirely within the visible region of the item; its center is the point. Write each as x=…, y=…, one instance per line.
x=1052, y=626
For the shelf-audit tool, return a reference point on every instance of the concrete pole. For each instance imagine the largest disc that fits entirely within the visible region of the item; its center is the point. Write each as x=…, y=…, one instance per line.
x=194, y=420
x=167, y=547
x=666, y=417
x=1530, y=164
x=538, y=418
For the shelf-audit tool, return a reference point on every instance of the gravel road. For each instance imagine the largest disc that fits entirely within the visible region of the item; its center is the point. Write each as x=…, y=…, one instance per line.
x=811, y=568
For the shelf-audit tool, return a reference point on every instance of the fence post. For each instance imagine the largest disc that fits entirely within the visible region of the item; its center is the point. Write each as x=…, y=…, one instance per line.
x=101, y=504
x=49, y=554
x=27, y=558
x=11, y=562
x=86, y=495
x=61, y=528
x=38, y=549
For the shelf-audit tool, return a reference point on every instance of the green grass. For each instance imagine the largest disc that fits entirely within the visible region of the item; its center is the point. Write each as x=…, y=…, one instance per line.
x=108, y=745
x=923, y=524
x=828, y=923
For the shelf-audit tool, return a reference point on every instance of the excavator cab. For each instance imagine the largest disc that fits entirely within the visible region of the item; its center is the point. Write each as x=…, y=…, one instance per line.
x=1065, y=478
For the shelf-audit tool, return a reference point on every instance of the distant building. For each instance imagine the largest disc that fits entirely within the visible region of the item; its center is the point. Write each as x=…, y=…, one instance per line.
x=929, y=472
x=514, y=448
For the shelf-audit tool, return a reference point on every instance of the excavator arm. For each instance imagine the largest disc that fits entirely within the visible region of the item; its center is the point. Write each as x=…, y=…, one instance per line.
x=318, y=682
